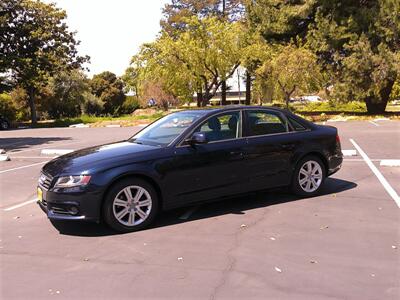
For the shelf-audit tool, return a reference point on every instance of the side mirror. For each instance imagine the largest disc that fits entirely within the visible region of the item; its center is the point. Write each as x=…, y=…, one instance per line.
x=197, y=138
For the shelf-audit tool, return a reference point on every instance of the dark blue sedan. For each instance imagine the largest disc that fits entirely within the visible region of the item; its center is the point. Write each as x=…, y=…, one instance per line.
x=189, y=157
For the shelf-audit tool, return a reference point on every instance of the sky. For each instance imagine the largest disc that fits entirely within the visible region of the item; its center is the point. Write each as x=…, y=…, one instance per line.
x=111, y=31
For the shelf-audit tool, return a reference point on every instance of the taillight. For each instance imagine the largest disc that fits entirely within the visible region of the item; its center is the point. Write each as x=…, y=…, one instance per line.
x=337, y=139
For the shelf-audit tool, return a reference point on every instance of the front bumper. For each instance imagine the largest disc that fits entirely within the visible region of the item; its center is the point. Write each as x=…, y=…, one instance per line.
x=70, y=206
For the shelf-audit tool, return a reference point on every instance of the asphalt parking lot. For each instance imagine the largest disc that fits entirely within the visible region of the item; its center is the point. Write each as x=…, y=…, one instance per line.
x=344, y=244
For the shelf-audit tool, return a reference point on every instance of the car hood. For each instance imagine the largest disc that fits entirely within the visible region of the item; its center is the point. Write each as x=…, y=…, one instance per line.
x=94, y=159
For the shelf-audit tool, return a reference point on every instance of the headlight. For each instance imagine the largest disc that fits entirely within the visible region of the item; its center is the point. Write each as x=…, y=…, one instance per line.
x=72, y=181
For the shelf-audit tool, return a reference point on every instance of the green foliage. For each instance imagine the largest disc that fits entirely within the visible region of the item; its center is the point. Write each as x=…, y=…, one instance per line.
x=395, y=95
x=35, y=43
x=7, y=109
x=352, y=106
x=359, y=43
x=130, y=104
x=110, y=90
x=190, y=61
x=92, y=105
x=291, y=70
x=67, y=95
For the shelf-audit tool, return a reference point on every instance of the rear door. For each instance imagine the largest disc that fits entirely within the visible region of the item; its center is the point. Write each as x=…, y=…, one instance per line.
x=269, y=149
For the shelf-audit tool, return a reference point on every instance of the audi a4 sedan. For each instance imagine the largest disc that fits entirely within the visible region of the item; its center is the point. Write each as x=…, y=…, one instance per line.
x=188, y=157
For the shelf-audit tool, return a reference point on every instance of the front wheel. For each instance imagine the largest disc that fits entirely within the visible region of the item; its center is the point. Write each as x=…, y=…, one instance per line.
x=308, y=177
x=130, y=205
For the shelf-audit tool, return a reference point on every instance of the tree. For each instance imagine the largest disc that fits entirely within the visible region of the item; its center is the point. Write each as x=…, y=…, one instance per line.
x=35, y=43
x=281, y=21
x=210, y=51
x=192, y=61
x=110, y=89
x=155, y=90
x=68, y=92
x=359, y=42
x=178, y=12
x=291, y=70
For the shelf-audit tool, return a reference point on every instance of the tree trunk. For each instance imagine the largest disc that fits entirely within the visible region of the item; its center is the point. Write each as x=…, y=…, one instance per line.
x=248, y=88
x=287, y=99
x=31, y=98
x=374, y=106
x=378, y=106
x=206, y=96
x=223, y=93
x=199, y=98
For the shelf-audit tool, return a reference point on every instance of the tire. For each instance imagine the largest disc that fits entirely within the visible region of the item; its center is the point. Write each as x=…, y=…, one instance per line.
x=123, y=213
x=303, y=186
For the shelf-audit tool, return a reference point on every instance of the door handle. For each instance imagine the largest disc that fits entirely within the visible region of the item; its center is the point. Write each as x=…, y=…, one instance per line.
x=287, y=146
x=236, y=155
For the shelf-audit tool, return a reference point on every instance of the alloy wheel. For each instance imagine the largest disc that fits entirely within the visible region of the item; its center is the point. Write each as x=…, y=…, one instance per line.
x=132, y=205
x=310, y=176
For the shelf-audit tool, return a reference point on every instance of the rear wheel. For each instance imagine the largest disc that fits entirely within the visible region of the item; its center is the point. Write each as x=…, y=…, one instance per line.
x=130, y=205
x=309, y=176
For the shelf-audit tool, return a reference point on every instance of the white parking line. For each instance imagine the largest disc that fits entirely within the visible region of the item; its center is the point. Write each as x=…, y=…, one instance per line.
x=378, y=174
x=23, y=167
x=349, y=152
x=390, y=162
x=373, y=123
x=188, y=213
x=20, y=205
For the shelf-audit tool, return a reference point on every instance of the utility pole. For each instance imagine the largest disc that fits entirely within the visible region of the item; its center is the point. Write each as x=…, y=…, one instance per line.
x=223, y=83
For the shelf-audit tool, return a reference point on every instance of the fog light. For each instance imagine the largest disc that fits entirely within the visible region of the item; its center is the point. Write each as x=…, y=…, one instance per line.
x=73, y=210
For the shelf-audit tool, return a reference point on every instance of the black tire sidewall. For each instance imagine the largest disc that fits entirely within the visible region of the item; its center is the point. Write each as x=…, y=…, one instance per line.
x=296, y=188
x=107, y=209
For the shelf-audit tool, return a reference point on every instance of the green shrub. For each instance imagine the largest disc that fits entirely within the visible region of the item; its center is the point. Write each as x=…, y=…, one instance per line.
x=92, y=105
x=130, y=104
x=349, y=107
x=7, y=109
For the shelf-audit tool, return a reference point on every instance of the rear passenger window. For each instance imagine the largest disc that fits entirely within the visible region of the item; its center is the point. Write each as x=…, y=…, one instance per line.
x=263, y=122
x=296, y=125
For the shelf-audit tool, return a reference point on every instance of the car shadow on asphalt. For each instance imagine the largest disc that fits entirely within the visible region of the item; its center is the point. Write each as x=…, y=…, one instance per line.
x=233, y=205
x=20, y=143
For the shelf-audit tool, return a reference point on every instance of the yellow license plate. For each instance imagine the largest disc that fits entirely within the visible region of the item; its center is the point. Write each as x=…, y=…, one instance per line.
x=39, y=194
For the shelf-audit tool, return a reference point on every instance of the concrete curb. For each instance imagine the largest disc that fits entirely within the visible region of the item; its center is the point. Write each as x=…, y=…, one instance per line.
x=4, y=157
x=113, y=125
x=55, y=151
x=80, y=125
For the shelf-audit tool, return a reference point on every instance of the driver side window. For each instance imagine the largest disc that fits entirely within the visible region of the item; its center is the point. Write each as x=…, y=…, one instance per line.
x=222, y=127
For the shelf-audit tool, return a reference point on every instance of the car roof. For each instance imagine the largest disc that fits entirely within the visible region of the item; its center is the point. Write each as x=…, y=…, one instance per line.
x=212, y=110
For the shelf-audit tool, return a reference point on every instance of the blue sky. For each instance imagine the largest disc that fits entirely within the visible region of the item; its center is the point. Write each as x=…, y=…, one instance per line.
x=112, y=31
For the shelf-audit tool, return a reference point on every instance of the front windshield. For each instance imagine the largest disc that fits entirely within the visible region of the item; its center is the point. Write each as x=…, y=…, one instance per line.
x=165, y=130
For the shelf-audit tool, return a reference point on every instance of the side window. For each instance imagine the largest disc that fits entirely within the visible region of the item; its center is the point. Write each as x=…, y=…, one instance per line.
x=264, y=122
x=222, y=127
x=296, y=125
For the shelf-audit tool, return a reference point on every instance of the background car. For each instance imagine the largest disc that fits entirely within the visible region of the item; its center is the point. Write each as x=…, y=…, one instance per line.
x=4, y=123
x=189, y=157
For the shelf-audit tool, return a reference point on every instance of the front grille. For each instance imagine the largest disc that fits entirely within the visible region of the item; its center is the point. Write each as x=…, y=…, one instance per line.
x=45, y=181
x=44, y=202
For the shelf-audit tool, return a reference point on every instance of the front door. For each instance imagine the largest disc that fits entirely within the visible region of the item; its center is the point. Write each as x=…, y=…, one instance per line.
x=206, y=171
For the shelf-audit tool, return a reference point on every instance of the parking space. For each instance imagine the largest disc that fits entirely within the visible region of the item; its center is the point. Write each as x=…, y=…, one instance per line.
x=343, y=244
